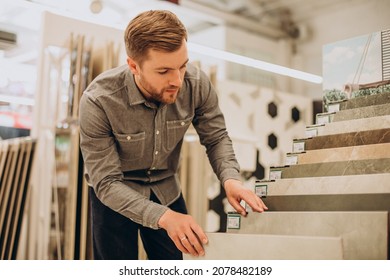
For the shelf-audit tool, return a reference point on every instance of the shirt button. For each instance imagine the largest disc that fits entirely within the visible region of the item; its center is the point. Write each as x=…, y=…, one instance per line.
x=128, y=137
x=182, y=123
x=156, y=152
x=149, y=172
x=157, y=132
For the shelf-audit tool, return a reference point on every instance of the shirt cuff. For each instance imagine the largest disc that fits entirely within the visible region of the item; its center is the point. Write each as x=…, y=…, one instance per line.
x=153, y=214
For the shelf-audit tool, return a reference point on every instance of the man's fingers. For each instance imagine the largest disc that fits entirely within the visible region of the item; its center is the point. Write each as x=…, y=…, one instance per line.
x=256, y=203
x=179, y=244
x=238, y=207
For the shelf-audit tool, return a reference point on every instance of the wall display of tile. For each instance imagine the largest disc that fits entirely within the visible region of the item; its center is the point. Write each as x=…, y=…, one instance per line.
x=356, y=67
x=268, y=118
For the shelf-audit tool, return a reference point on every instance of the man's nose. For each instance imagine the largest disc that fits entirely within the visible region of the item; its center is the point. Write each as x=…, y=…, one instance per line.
x=175, y=78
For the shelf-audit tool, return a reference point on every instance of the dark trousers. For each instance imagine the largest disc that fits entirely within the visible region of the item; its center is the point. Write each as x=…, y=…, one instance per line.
x=115, y=237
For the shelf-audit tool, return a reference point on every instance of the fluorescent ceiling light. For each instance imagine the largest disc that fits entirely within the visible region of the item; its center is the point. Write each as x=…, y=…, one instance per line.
x=251, y=62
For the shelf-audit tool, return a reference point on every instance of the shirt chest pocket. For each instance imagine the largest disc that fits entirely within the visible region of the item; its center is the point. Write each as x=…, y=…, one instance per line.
x=175, y=131
x=130, y=146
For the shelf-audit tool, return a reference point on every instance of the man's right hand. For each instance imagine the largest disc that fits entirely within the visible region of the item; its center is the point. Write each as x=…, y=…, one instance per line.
x=187, y=235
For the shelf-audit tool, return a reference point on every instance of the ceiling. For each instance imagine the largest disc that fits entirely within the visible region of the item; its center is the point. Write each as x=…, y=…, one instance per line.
x=272, y=18
x=268, y=18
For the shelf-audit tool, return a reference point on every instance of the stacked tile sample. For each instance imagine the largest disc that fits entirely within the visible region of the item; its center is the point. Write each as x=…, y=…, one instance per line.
x=335, y=184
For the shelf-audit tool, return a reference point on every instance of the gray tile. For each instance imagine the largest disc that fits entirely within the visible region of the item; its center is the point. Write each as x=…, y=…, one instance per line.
x=231, y=246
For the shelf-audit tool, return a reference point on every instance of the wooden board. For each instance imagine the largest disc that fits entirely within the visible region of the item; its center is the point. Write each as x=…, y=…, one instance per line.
x=9, y=213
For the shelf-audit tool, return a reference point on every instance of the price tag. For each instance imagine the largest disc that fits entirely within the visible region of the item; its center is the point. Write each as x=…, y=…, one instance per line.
x=233, y=221
x=298, y=146
x=311, y=132
x=291, y=159
x=332, y=108
x=275, y=174
x=261, y=190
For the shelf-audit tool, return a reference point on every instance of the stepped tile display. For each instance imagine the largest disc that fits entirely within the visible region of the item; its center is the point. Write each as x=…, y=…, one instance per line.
x=365, y=137
x=364, y=234
x=374, y=151
x=372, y=123
x=339, y=168
x=336, y=181
x=234, y=246
x=361, y=113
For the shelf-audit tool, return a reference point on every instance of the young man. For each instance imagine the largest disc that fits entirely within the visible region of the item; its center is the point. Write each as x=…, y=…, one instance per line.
x=132, y=122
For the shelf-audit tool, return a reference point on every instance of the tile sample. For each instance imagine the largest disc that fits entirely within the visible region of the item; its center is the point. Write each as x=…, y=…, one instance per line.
x=374, y=151
x=364, y=234
x=349, y=126
x=366, y=137
x=234, y=246
x=361, y=113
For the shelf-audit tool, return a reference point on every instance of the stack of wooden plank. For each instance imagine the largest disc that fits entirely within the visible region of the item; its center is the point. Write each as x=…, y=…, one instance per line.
x=16, y=158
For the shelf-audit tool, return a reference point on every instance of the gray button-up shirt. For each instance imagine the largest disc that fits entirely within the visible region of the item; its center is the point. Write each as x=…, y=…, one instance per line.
x=131, y=146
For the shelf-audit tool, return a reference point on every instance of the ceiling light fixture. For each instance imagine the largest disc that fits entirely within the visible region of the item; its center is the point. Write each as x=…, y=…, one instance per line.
x=251, y=62
x=96, y=6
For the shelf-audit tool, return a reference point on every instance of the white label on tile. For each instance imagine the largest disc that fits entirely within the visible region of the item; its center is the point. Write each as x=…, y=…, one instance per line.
x=322, y=119
x=261, y=190
x=233, y=221
x=332, y=108
x=291, y=159
x=311, y=132
x=298, y=147
x=275, y=174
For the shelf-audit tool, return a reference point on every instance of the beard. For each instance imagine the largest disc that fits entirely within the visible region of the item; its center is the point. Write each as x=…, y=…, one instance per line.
x=167, y=95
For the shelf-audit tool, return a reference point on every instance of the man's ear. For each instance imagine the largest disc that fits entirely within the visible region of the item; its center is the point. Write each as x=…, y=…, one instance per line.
x=133, y=66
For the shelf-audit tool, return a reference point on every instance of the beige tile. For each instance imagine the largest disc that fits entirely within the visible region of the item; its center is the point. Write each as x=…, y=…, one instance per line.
x=333, y=185
x=231, y=246
x=364, y=234
x=374, y=151
x=354, y=125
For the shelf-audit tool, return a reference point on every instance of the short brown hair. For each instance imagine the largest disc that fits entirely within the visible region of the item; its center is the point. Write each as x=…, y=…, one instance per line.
x=157, y=29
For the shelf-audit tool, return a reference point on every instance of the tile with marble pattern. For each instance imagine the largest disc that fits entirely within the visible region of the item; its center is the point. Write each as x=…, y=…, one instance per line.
x=330, y=185
x=361, y=113
x=337, y=168
x=374, y=151
x=235, y=246
x=365, y=124
x=364, y=234
x=366, y=137
x=368, y=100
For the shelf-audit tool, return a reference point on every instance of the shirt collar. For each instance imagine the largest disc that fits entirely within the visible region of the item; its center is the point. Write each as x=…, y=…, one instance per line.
x=135, y=95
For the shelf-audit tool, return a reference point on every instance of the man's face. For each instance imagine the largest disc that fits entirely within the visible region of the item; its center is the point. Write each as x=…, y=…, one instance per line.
x=161, y=76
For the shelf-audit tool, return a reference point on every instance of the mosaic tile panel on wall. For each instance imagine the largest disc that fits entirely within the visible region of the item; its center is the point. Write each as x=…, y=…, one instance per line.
x=262, y=123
